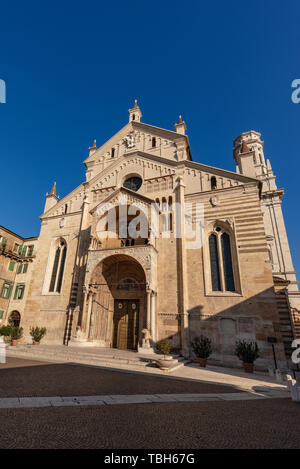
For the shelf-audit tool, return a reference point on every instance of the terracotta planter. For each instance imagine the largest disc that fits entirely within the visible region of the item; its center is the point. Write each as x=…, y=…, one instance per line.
x=202, y=362
x=248, y=367
x=14, y=342
x=35, y=343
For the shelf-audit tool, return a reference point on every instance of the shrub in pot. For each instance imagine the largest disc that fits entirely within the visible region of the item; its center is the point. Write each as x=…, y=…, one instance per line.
x=5, y=332
x=202, y=348
x=163, y=348
x=16, y=333
x=248, y=352
x=37, y=333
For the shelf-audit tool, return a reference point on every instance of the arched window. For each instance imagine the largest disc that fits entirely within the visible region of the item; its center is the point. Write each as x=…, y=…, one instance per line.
x=213, y=183
x=214, y=263
x=112, y=152
x=220, y=255
x=14, y=319
x=153, y=142
x=227, y=262
x=58, y=267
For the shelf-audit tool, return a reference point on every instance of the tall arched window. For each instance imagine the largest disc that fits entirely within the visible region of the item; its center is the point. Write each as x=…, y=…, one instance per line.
x=153, y=142
x=214, y=263
x=221, y=266
x=58, y=267
x=227, y=262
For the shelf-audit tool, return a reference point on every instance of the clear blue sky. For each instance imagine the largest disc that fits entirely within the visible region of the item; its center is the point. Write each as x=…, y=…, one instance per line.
x=72, y=70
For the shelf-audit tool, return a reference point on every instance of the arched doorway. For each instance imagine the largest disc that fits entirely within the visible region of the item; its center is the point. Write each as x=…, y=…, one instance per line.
x=117, y=305
x=14, y=318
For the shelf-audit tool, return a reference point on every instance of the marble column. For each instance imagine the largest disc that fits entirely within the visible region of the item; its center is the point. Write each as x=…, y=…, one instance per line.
x=88, y=318
x=148, y=317
x=152, y=317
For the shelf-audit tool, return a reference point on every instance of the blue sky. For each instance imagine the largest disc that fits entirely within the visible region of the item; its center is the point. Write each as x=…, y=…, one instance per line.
x=72, y=70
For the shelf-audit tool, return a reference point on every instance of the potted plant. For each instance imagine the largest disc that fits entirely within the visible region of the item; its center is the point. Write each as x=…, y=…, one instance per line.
x=5, y=332
x=37, y=333
x=163, y=348
x=248, y=352
x=201, y=347
x=16, y=333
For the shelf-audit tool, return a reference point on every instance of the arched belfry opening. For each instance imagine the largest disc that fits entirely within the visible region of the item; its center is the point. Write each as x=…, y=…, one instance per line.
x=115, y=304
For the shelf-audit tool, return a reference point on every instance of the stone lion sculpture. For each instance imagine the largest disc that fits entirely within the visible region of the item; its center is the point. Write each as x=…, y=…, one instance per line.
x=146, y=338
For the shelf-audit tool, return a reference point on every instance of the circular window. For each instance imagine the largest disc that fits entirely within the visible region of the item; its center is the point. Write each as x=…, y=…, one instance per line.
x=133, y=183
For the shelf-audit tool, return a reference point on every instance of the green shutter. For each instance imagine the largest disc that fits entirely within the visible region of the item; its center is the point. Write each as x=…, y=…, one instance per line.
x=25, y=268
x=2, y=290
x=30, y=250
x=20, y=249
x=19, y=268
x=22, y=291
x=1, y=314
x=3, y=241
x=9, y=290
x=16, y=292
x=11, y=266
x=24, y=251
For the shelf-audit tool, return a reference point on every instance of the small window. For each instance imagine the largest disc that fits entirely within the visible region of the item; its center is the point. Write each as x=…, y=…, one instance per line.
x=133, y=117
x=2, y=241
x=25, y=268
x=30, y=250
x=16, y=247
x=112, y=152
x=20, y=266
x=213, y=183
x=153, y=142
x=11, y=266
x=66, y=208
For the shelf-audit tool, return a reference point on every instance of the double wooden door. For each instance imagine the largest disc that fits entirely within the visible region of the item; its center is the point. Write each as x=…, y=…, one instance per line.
x=126, y=314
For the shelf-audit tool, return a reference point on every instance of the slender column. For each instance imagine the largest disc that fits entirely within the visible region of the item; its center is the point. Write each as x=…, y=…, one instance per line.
x=83, y=315
x=182, y=271
x=148, y=320
x=152, y=317
x=88, y=319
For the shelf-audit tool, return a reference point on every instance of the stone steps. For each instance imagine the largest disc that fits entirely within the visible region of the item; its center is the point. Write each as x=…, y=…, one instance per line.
x=110, y=358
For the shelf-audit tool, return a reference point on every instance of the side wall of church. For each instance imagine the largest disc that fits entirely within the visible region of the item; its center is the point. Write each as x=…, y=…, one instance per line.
x=44, y=308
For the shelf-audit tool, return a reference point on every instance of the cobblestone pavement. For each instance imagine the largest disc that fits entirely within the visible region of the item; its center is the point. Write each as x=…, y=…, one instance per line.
x=268, y=423
x=21, y=378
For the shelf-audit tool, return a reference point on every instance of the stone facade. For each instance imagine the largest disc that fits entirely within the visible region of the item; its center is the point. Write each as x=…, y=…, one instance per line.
x=84, y=279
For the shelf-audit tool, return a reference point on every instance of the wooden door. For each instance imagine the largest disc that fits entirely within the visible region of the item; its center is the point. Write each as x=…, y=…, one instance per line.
x=126, y=324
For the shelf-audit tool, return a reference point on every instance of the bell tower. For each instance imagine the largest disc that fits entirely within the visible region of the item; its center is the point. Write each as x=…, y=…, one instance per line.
x=248, y=154
x=135, y=113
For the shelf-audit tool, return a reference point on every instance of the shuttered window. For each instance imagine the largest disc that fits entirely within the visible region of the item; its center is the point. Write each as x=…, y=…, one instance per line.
x=11, y=266
x=6, y=290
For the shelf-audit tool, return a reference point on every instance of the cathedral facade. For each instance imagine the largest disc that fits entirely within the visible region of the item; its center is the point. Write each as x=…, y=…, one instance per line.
x=94, y=283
